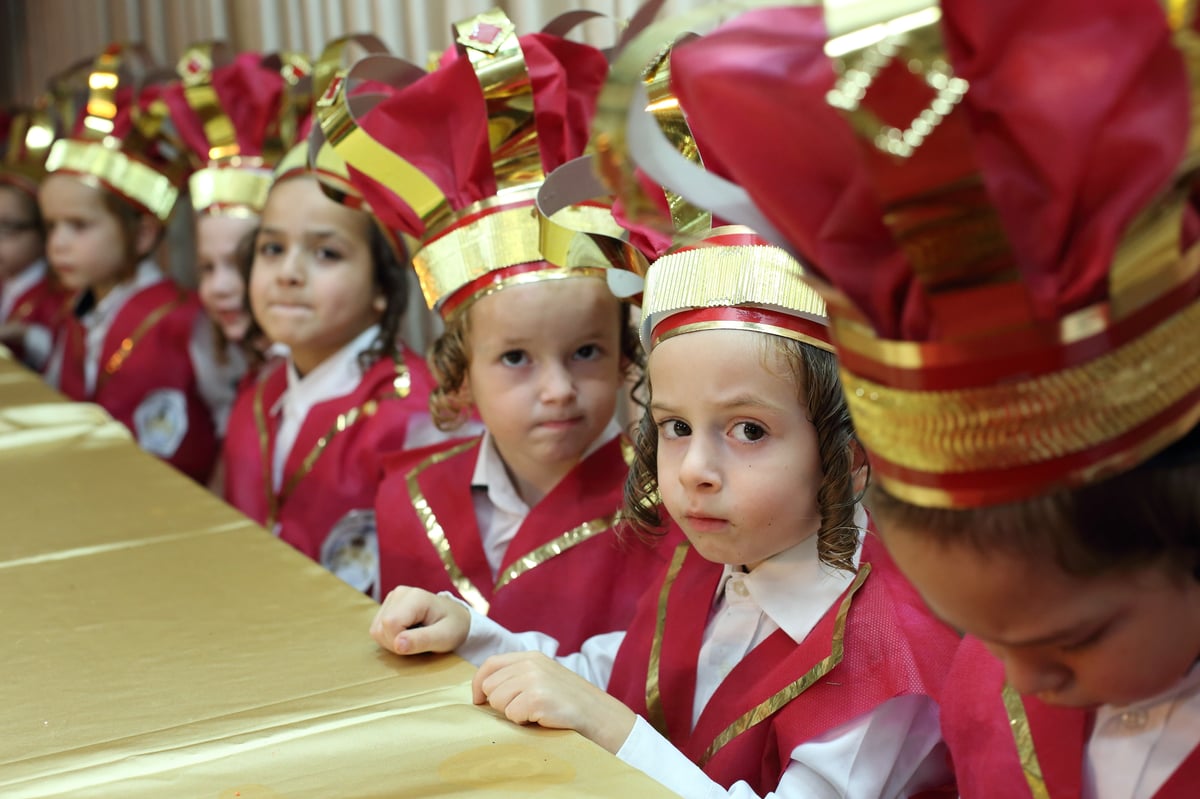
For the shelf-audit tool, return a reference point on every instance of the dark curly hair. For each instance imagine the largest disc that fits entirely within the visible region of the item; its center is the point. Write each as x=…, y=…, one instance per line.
x=819, y=388
x=449, y=357
x=1148, y=514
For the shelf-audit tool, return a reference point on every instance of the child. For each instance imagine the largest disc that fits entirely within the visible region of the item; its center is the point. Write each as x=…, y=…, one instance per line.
x=301, y=455
x=520, y=521
x=126, y=346
x=228, y=114
x=32, y=305
x=1019, y=354
x=779, y=652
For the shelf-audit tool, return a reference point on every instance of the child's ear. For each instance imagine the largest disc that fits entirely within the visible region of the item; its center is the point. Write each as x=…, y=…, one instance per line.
x=859, y=467
x=146, y=234
x=379, y=304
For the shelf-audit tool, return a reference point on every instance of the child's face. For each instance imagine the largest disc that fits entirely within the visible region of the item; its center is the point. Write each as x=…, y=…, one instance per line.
x=222, y=290
x=1114, y=639
x=312, y=285
x=545, y=368
x=20, y=240
x=738, y=463
x=85, y=242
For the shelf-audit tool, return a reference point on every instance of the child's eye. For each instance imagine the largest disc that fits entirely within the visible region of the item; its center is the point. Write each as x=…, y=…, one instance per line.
x=514, y=358
x=748, y=431
x=269, y=249
x=207, y=269
x=1088, y=640
x=588, y=352
x=673, y=428
x=327, y=254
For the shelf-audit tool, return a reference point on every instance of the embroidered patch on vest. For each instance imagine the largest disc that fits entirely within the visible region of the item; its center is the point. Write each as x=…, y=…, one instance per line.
x=160, y=422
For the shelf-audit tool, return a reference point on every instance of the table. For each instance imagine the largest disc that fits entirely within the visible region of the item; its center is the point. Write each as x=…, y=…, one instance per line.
x=158, y=643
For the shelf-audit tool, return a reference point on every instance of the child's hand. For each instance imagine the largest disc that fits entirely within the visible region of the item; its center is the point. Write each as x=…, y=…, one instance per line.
x=530, y=688
x=412, y=621
x=12, y=331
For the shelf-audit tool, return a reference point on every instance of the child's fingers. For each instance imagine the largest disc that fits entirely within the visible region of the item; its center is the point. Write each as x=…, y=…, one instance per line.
x=403, y=608
x=489, y=676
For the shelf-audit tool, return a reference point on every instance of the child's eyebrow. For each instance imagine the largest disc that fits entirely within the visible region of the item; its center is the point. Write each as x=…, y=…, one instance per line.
x=744, y=400
x=1064, y=634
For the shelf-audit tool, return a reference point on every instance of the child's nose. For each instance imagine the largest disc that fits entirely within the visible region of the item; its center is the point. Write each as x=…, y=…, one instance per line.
x=291, y=267
x=698, y=469
x=556, y=384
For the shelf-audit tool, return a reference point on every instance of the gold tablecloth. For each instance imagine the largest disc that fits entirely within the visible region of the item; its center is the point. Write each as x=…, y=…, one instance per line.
x=157, y=643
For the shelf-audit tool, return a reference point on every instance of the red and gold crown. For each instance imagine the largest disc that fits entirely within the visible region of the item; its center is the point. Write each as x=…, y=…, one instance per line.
x=236, y=118
x=996, y=201
x=24, y=145
x=455, y=157
x=119, y=138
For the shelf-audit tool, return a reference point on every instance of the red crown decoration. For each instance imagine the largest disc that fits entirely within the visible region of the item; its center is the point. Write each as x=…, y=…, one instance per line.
x=455, y=157
x=996, y=200
x=236, y=119
x=119, y=137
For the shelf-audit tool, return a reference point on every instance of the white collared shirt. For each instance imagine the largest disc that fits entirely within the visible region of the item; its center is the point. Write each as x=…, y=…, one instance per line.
x=336, y=376
x=37, y=341
x=499, y=509
x=891, y=752
x=217, y=377
x=1134, y=750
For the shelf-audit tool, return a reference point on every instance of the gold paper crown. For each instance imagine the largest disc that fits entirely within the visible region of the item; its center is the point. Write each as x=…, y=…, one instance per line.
x=229, y=180
x=122, y=164
x=731, y=280
x=470, y=252
x=30, y=137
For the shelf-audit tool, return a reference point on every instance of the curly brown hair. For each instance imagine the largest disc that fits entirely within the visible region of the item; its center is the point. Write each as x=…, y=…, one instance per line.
x=449, y=357
x=819, y=388
x=1146, y=515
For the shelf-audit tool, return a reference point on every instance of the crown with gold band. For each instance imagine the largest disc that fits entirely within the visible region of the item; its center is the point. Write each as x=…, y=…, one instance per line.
x=119, y=139
x=26, y=143
x=236, y=119
x=1005, y=238
x=457, y=155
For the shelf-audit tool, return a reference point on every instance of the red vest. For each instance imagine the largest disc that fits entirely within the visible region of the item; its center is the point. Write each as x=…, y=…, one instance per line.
x=782, y=693
x=145, y=369
x=334, y=465
x=44, y=304
x=979, y=729
x=565, y=573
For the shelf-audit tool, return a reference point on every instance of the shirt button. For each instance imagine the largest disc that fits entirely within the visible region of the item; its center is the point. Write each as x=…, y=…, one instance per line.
x=1133, y=719
x=739, y=588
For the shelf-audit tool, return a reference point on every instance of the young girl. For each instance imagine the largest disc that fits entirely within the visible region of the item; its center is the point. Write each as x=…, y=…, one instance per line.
x=519, y=521
x=32, y=304
x=1030, y=401
x=126, y=346
x=301, y=454
x=778, y=652
x=228, y=114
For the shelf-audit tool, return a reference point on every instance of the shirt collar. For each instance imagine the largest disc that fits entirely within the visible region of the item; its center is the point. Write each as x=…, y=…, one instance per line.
x=794, y=588
x=336, y=376
x=1189, y=685
x=491, y=473
x=91, y=312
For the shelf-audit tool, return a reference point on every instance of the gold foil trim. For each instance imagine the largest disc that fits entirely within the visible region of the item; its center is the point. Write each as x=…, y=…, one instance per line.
x=551, y=549
x=754, y=327
x=118, y=358
x=341, y=424
x=229, y=186
x=1030, y=421
x=717, y=276
x=654, y=708
x=434, y=532
x=137, y=181
x=1023, y=737
x=774, y=704
x=505, y=238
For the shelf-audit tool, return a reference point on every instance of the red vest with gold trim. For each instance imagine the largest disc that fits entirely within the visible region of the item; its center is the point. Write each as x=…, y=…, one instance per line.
x=345, y=473
x=891, y=646
x=565, y=573
x=144, y=364
x=979, y=732
x=43, y=304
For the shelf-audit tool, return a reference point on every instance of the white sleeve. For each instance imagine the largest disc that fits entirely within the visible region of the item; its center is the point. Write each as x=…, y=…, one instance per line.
x=38, y=344
x=485, y=638
x=216, y=382
x=892, y=752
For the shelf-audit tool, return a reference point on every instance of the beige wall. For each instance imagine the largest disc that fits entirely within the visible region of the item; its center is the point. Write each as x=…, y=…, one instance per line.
x=40, y=37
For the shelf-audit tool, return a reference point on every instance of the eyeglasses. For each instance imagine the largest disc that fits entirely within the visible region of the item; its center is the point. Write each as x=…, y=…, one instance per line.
x=11, y=228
